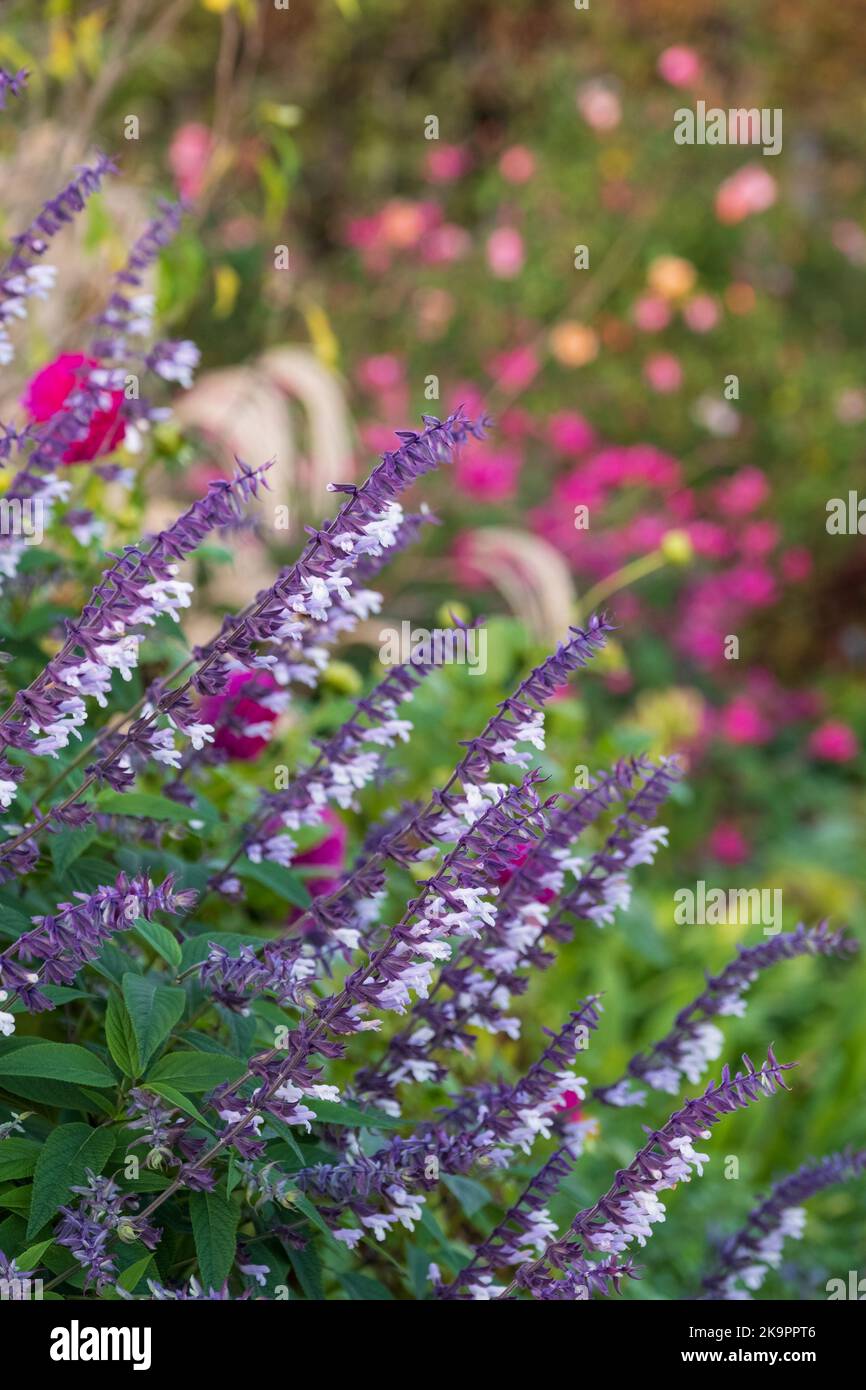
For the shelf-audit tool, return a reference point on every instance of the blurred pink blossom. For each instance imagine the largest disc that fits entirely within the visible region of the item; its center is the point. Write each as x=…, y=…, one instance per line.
x=750, y=190
x=599, y=106
x=517, y=164
x=742, y=493
x=445, y=244
x=701, y=313
x=760, y=538
x=651, y=313
x=742, y=722
x=381, y=373
x=188, y=157
x=514, y=370
x=663, y=372
x=834, y=742
x=486, y=474
x=569, y=433
x=505, y=252
x=727, y=843
x=680, y=66
x=445, y=163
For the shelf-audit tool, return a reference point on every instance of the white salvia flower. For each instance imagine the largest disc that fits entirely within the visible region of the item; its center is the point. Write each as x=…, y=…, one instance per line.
x=349, y=1235
x=645, y=845
x=379, y=1224
x=8, y=791
x=7, y=1021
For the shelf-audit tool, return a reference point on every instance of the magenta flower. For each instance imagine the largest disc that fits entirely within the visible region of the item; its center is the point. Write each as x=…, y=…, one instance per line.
x=834, y=742
x=570, y=433
x=728, y=844
x=445, y=163
x=750, y=190
x=46, y=396
x=242, y=724
x=505, y=252
x=680, y=66
x=517, y=164
x=489, y=475
x=743, y=722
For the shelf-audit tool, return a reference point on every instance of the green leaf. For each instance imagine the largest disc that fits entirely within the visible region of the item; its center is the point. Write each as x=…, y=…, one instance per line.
x=29, y=1259
x=56, y=1061
x=13, y=922
x=195, y=1071
x=331, y=1112
x=132, y=1277
x=283, y=882
x=214, y=1227
x=362, y=1287
x=470, y=1194
x=67, y=845
x=154, y=1010
x=181, y=1102
x=68, y=1152
x=308, y=1270
x=17, y=1158
x=160, y=939
x=120, y=1036
x=153, y=807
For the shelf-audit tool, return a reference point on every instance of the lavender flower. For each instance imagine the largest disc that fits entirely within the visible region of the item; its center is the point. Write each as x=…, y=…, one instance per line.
x=746, y=1257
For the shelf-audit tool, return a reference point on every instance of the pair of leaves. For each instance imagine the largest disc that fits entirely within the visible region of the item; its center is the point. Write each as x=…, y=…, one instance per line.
x=140, y=1023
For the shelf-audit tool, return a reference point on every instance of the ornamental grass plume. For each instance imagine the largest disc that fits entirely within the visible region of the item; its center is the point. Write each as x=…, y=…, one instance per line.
x=292, y=1109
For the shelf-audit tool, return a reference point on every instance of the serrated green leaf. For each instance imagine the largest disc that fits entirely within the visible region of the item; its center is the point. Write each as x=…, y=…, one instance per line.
x=214, y=1228
x=195, y=1071
x=154, y=1010
x=120, y=1036
x=68, y=845
x=160, y=939
x=17, y=1158
x=66, y=1155
x=30, y=1258
x=55, y=1061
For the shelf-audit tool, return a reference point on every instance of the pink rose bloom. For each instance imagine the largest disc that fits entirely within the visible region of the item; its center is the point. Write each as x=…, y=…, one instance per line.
x=651, y=313
x=569, y=433
x=742, y=493
x=796, y=564
x=834, y=742
x=663, y=373
x=517, y=164
x=728, y=844
x=742, y=722
x=381, y=373
x=680, y=66
x=47, y=393
x=701, y=313
x=599, y=106
x=488, y=476
x=237, y=721
x=445, y=163
x=514, y=370
x=505, y=253
x=188, y=157
x=750, y=190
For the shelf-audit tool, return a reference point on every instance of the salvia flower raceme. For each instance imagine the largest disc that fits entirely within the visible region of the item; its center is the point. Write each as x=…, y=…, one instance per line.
x=745, y=1259
x=694, y=1041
